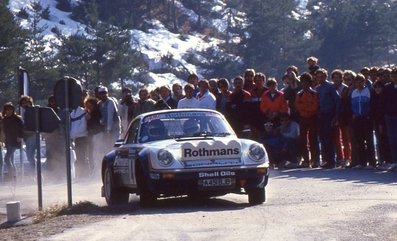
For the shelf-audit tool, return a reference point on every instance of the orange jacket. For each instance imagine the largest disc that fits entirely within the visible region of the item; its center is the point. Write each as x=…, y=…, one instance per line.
x=307, y=103
x=277, y=103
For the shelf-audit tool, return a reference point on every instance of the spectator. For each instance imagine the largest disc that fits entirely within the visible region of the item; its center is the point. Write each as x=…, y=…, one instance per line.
x=373, y=74
x=292, y=68
x=79, y=135
x=206, y=99
x=213, y=87
x=273, y=144
x=307, y=104
x=328, y=116
x=223, y=98
x=177, y=91
x=193, y=79
x=312, y=65
x=109, y=118
x=249, y=75
x=55, y=144
x=95, y=130
x=290, y=91
x=257, y=120
x=273, y=102
x=377, y=111
x=13, y=132
x=390, y=103
x=126, y=109
x=189, y=101
x=145, y=104
x=384, y=75
x=155, y=94
x=237, y=105
x=365, y=71
x=166, y=101
x=348, y=78
x=342, y=140
x=29, y=137
x=289, y=132
x=361, y=125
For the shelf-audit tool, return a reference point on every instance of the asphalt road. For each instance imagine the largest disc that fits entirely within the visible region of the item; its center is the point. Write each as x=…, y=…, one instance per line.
x=302, y=204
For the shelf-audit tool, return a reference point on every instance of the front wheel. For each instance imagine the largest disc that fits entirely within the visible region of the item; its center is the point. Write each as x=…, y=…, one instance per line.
x=256, y=196
x=113, y=195
x=146, y=197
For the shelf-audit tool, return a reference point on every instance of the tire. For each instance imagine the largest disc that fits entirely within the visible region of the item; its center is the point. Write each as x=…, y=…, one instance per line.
x=146, y=197
x=113, y=195
x=256, y=196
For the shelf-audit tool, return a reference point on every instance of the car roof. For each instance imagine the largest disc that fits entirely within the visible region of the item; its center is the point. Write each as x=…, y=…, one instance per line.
x=176, y=110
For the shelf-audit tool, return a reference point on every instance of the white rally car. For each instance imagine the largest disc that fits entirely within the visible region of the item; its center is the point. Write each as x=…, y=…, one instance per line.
x=190, y=152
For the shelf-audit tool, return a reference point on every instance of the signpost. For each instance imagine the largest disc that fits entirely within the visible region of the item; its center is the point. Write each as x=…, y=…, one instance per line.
x=68, y=93
x=23, y=89
x=40, y=119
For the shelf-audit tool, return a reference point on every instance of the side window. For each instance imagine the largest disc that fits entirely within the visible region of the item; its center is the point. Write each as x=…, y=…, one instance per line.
x=133, y=132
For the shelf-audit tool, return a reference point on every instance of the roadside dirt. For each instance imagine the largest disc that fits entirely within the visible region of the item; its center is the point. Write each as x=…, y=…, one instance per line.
x=55, y=220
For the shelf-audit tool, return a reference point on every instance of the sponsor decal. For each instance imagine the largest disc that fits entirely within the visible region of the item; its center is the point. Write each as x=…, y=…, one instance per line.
x=216, y=174
x=179, y=115
x=121, y=162
x=211, y=150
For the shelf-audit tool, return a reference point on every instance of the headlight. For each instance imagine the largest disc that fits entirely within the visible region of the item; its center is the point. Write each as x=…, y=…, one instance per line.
x=165, y=157
x=256, y=152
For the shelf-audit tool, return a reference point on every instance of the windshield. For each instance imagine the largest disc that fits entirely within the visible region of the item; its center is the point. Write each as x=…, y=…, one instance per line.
x=183, y=125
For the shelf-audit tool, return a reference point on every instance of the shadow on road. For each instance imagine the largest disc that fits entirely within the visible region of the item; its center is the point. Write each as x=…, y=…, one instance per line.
x=367, y=176
x=163, y=206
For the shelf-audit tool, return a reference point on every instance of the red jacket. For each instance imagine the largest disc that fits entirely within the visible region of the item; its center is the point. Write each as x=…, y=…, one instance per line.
x=307, y=103
x=276, y=103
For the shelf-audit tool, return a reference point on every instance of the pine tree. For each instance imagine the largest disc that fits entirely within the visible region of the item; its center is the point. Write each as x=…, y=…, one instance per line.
x=275, y=37
x=37, y=59
x=11, y=46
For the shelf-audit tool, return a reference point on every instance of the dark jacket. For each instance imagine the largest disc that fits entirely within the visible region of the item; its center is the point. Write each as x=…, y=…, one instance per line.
x=13, y=129
x=390, y=94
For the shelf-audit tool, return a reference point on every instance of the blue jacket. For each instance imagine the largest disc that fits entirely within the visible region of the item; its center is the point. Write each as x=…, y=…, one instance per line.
x=329, y=98
x=360, y=102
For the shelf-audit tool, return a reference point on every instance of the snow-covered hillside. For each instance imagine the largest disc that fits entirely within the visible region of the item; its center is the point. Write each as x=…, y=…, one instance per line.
x=154, y=44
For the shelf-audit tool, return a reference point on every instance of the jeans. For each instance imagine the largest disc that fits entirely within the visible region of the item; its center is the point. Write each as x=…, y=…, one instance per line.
x=391, y=126
x=81, y=165
x=325, y=134
x=363, y=141
x=9, y=160
x=30, y=142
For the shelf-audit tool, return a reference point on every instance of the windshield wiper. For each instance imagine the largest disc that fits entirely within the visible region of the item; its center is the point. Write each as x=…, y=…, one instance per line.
x=222, y=134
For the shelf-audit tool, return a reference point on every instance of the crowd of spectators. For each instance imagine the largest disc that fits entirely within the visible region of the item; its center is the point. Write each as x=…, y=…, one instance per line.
x=311, y=119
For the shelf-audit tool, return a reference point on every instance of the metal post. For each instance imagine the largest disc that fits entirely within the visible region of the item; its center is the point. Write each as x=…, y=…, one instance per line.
x=67, y=135
x=38, y=157
x=1, y=163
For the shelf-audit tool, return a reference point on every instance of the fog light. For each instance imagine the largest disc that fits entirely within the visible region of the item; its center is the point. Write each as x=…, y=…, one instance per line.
x=168, y=175
x=261, y=170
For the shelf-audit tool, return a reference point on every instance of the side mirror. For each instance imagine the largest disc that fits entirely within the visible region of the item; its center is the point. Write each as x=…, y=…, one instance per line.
x=118, y=143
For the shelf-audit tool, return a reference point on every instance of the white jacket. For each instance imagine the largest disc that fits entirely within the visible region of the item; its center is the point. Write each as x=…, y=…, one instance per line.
x=78, y=123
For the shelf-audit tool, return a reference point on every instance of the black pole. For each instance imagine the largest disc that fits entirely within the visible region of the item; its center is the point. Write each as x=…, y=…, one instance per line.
x=38, y=157
x=67, y=135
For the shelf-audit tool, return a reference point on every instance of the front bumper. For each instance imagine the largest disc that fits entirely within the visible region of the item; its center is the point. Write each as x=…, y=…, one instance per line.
x=213, y=182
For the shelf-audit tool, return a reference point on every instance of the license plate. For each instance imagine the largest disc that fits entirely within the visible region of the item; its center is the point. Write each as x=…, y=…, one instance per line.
x=217, y=182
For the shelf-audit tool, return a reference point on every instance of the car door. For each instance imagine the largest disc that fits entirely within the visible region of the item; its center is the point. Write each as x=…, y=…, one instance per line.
x=131, y=153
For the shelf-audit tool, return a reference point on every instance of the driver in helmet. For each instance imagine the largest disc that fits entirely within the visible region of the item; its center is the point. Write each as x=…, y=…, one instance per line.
x=191, y=127
x=157, y=130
